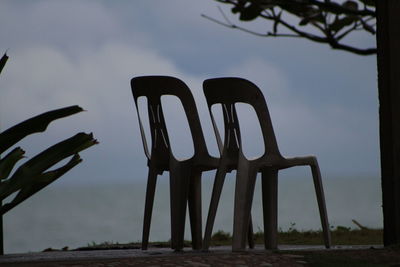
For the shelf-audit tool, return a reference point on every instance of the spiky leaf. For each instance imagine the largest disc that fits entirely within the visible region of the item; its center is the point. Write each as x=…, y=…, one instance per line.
x=33, y=125
x=8, y=162
x=44, y=161
x=3, y=61
x=40, y=182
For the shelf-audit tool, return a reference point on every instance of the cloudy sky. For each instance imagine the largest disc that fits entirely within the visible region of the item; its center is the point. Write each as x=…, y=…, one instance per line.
x=322, y=102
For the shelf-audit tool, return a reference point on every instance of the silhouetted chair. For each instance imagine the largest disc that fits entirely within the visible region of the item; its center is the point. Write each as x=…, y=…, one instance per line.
x=228, y=92
x=185, y=175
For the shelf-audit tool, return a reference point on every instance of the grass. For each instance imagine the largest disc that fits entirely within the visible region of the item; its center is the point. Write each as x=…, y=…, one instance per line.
x=340, y=236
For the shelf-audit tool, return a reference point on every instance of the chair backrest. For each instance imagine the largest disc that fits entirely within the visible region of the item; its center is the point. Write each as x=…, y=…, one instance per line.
x=229, y=91
x=153, y=88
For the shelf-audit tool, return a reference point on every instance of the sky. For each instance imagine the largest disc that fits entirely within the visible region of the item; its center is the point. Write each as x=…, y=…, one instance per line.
x=322, y=102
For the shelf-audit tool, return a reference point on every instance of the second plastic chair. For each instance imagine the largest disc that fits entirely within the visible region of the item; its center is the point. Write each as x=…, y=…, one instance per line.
x=185, y=175
x=228, y=92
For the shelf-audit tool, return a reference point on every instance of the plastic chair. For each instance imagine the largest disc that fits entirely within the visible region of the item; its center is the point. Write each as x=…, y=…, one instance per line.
x=185, y=175
x=228, y=92
x=229, y=152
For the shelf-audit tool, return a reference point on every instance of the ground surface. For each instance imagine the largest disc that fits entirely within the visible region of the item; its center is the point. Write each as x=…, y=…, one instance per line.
x=223, y=259
x=222, y=256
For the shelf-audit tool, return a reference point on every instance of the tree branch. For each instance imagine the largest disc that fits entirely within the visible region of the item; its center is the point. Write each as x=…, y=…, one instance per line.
x=234, y=26
x=323, y=5
x=299, y=34
x=355, y=50
x=345, y=33
x=292, y=28
x=328, y=28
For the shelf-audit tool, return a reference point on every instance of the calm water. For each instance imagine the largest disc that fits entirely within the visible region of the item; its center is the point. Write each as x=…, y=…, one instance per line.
x=75, y=216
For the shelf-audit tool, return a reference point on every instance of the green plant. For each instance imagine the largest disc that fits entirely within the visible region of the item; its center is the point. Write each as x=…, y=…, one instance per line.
x=221, y=236
x=259, y=236
x=292, y=228
x=36, y=173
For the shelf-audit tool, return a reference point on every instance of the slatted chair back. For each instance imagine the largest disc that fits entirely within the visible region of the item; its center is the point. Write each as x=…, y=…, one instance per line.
x=153, y=88
x=228, y=92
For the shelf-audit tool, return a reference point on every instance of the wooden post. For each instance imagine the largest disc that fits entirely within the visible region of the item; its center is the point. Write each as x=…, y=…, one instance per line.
x=388, y=44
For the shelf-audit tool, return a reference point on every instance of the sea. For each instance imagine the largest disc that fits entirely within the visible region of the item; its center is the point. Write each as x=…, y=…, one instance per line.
x=65, y=215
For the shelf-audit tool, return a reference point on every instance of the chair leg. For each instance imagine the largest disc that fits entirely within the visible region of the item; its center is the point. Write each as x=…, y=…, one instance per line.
x=250, y=234
x=194, y=201
x=148, y=208
x=270, y=207
x=319, y=190
x=244, y=190
x=179, y=187
x=215, y=197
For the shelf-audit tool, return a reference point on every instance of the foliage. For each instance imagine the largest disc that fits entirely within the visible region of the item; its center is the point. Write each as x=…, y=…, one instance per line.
x=341, y=235
x=322, y=21
x=220, y=238
x=36, y=173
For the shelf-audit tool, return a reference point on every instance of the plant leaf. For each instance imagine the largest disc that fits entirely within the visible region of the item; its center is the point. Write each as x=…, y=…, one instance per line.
x=8, y=162
x=304, y=21
x=250, y=13
x=339, y=24
x=3, y=61
x=368, y=2
x=297, y=9
x=33, y=125
x=350, y=5
x=40, y=182
x=45, y=160
x=312, y=16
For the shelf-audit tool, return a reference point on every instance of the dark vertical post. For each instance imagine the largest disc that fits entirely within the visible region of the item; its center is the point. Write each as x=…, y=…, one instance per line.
x=388, y=44
x=3, y=62
x=270, y=207
x=1, y=233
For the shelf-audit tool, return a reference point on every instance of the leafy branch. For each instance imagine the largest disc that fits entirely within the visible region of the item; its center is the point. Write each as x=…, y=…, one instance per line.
x=36, y=173
x=321, y=21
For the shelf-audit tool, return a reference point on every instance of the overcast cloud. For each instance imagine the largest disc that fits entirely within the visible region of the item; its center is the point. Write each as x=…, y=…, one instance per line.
x=322, y=102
